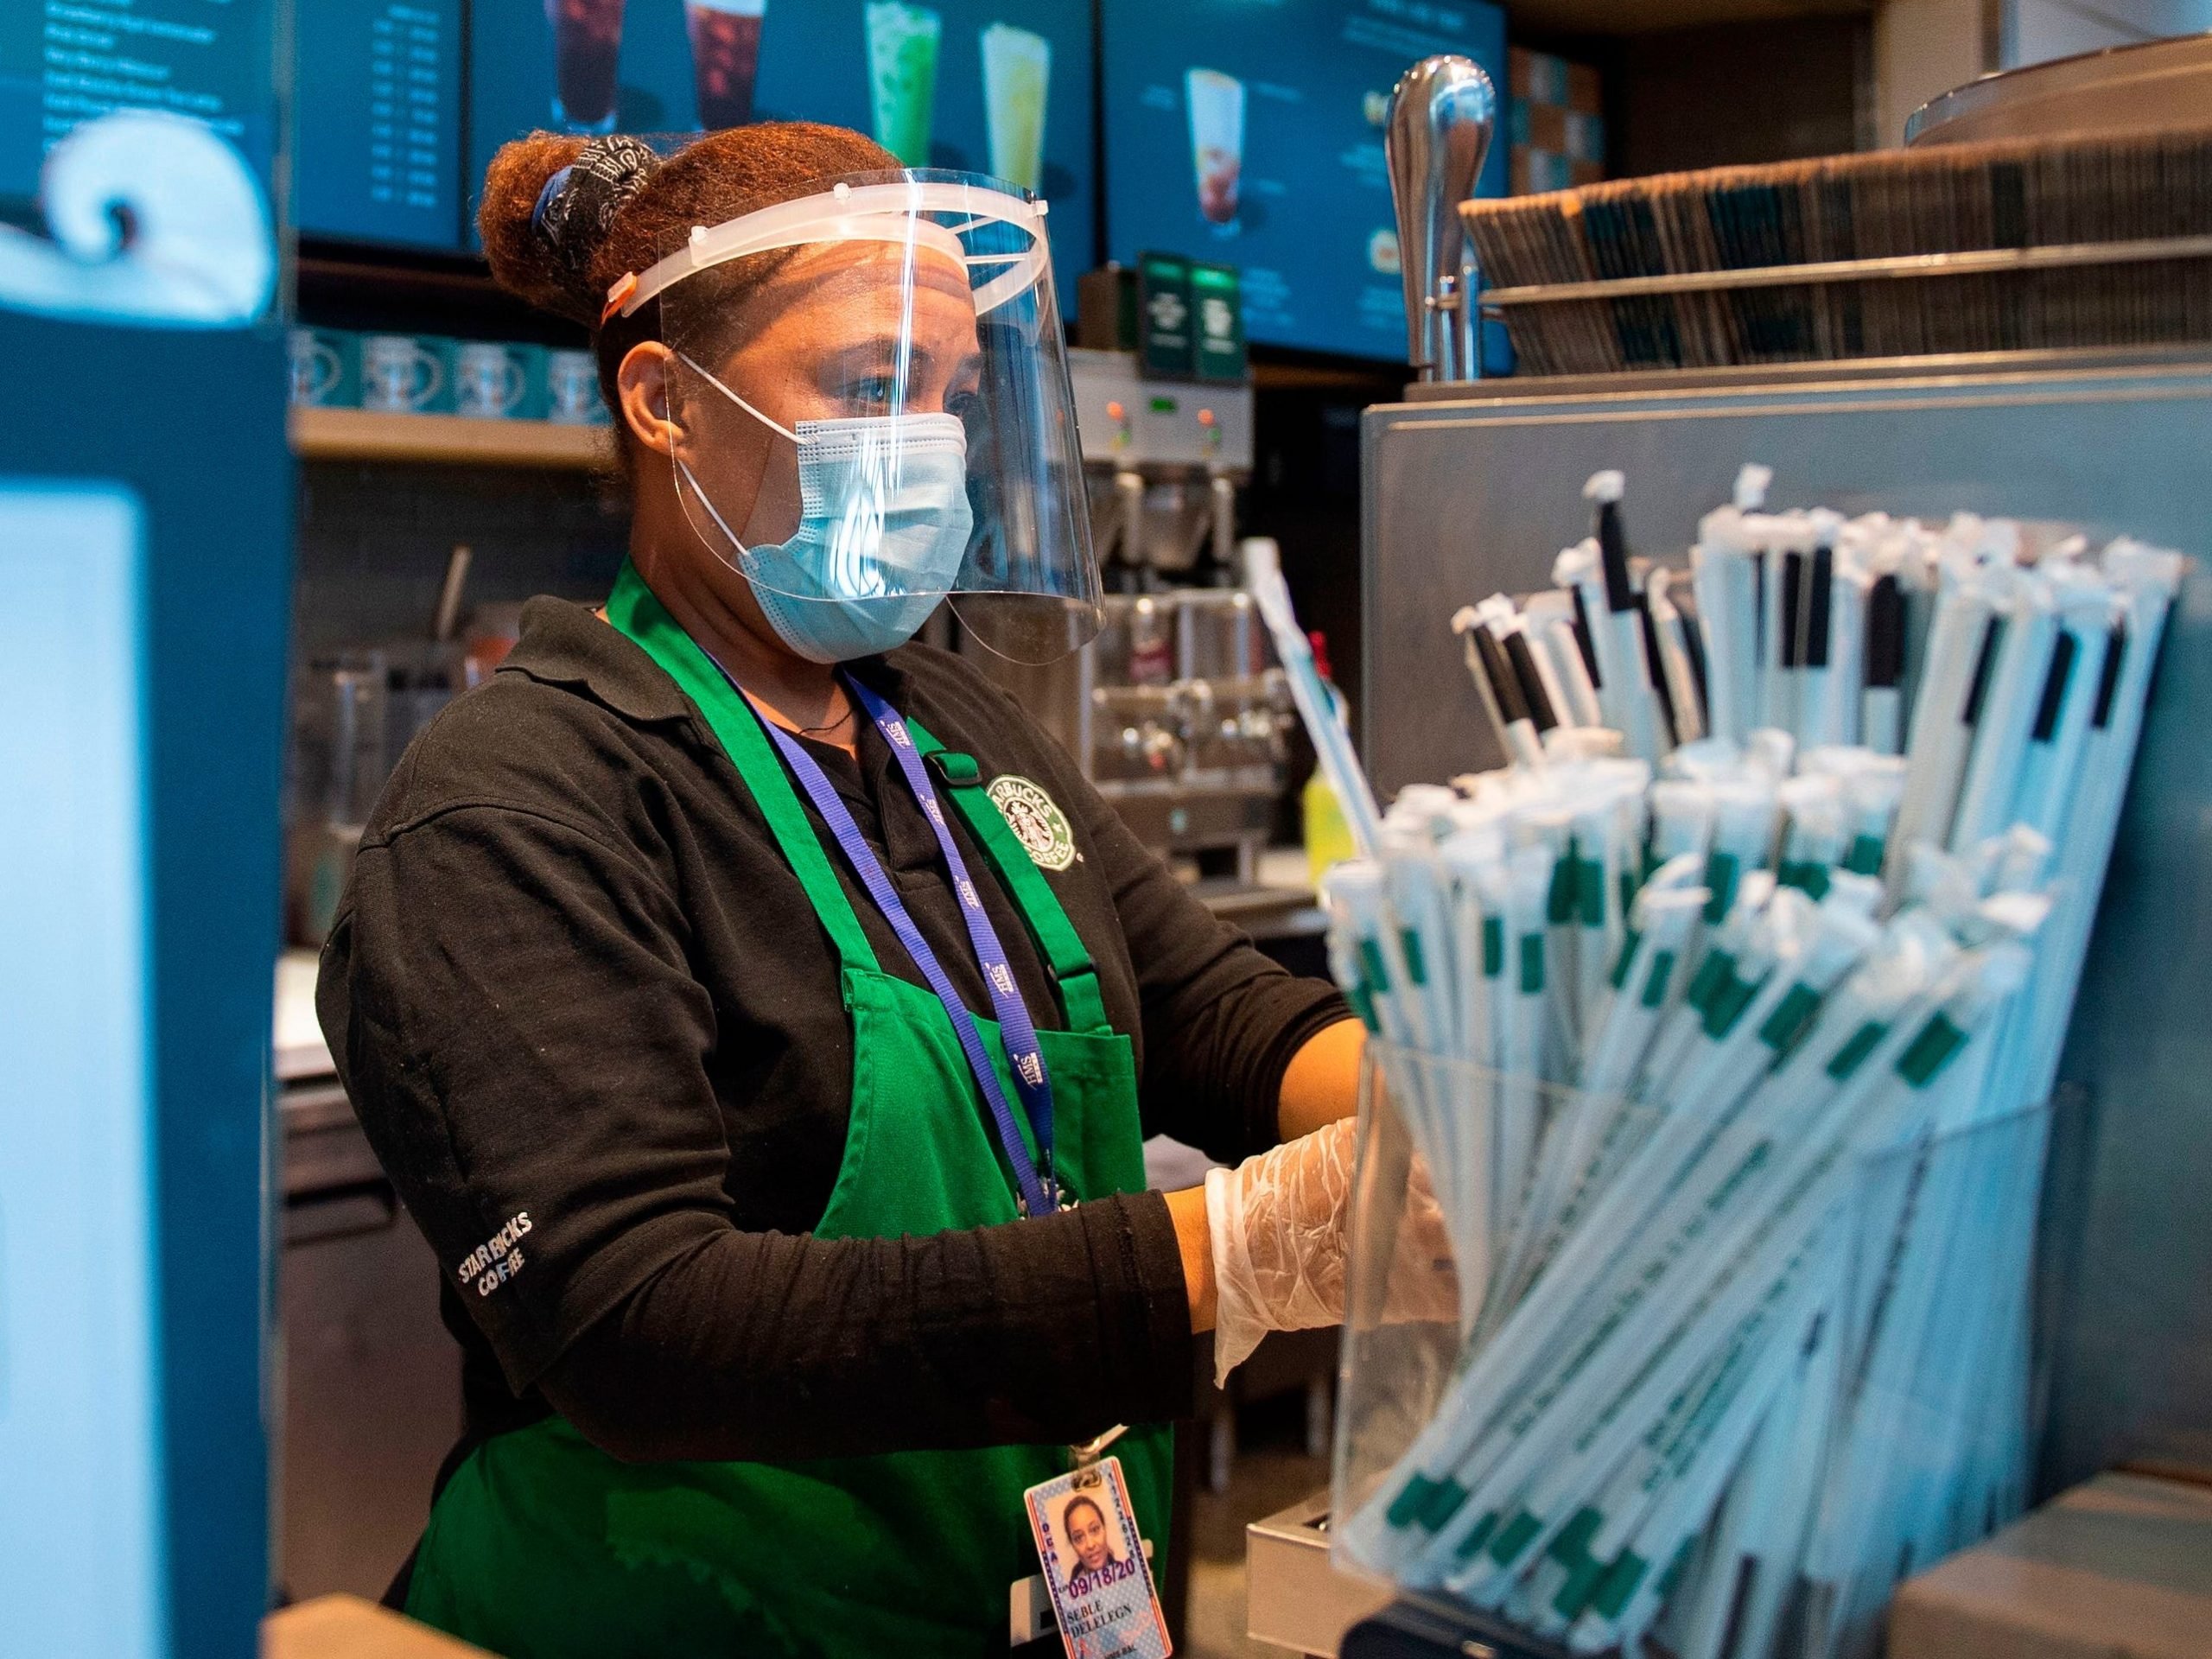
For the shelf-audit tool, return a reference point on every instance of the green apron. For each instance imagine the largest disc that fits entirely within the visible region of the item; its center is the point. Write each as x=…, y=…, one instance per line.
x=540, y=1545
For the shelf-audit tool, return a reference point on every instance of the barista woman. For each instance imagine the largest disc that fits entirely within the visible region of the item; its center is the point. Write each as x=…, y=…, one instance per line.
x=760, y=1013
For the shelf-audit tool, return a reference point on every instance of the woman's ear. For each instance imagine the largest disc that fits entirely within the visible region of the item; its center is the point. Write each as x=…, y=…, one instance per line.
x=644, y=383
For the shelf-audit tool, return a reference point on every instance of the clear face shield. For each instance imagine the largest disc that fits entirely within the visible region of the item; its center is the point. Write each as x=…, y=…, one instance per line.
x=873, y=416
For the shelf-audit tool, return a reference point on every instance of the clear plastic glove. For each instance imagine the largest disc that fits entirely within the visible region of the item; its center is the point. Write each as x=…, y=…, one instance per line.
x=1279, y=1230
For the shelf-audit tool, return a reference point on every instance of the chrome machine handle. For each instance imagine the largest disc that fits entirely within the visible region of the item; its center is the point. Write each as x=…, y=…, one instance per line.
x=1442, y=114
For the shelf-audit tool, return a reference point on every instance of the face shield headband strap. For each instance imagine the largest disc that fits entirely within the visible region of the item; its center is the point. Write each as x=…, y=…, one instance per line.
x=704, y=375
x=685, y=467
x=707, y=501
x=872, y=212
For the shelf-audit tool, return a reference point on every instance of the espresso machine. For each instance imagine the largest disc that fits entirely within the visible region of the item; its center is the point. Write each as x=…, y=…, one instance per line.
x=1174, y=710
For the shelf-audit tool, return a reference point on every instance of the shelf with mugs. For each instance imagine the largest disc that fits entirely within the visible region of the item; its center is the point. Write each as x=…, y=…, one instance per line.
x=424, y=398
x=319, y=433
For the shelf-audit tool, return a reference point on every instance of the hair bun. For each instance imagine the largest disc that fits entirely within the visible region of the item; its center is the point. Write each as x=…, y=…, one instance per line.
x=576, y=206
x=564, y=217
x=548, y=202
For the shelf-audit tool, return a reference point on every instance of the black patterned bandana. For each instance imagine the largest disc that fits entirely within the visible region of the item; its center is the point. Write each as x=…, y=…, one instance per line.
x=578, y=205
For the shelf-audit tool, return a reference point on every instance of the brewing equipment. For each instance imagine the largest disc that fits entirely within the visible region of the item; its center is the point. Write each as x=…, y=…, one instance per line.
x=1174, y=710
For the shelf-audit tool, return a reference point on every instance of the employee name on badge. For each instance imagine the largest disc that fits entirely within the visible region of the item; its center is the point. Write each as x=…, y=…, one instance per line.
x=1095, y=1566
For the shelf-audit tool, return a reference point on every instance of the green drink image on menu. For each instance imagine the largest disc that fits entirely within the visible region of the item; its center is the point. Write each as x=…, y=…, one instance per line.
x=1017, y=71
x=902, y=76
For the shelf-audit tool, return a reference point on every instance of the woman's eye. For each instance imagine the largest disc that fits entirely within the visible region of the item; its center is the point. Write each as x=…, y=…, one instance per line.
x=875, y=392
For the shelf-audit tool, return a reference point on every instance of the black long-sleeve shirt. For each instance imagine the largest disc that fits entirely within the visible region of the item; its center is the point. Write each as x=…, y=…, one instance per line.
x=594, y=1031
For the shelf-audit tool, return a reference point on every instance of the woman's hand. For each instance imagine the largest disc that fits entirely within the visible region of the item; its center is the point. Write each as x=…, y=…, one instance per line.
x=1279, y=1224
x=1424, y=1279
x=1267, y=1247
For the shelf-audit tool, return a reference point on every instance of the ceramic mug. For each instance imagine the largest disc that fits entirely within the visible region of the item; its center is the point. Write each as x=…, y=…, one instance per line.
x=315, y=367
x=322, y=367
x=399, y=374
x=489, y=380
x=572, y=388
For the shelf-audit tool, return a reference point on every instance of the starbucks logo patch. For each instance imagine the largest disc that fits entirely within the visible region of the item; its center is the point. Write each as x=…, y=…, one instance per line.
x=1036, y=820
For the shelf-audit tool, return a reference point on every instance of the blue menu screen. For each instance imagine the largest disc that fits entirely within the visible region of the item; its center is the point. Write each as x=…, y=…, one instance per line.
x=377, y=150
x=999, y=86
x=64, y=62
x=1250, y=132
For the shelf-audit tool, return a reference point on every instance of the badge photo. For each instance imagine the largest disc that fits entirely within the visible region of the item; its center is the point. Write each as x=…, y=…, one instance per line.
x=1095, y=1566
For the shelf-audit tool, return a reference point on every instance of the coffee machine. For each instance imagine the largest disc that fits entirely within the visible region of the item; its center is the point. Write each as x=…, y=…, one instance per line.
x=1175, y=709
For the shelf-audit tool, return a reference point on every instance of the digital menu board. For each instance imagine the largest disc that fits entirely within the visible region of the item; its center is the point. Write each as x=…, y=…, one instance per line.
x=999, y=86
x=1250, y=133
x=64, y=62
x=377, y=150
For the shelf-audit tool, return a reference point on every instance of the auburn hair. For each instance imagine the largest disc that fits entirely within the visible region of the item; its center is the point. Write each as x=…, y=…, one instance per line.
x=565, y=264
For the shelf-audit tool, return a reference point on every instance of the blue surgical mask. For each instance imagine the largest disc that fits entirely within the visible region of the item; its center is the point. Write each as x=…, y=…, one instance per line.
x=884, y=523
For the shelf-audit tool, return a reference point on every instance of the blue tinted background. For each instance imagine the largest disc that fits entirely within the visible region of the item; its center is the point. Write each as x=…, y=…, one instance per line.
x=212, y=61
x=198, y=442
x=1314, y=191
x=813, y=67
x=215, y=617
x=377, y=156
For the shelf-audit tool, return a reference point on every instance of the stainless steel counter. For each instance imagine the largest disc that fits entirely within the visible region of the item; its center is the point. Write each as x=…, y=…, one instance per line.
x=1295, y=1598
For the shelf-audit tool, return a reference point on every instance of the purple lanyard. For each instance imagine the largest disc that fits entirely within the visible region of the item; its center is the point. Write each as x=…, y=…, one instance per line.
x=1016, y=1031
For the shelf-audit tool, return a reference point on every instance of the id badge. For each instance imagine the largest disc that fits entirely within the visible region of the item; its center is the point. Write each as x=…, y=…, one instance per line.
x=1095, y=1566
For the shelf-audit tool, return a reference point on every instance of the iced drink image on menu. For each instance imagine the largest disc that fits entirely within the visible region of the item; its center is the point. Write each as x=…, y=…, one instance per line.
x=725, y=58
x=902, y=76
x=1216, y=103
x=586, y=42
x=1017, y=69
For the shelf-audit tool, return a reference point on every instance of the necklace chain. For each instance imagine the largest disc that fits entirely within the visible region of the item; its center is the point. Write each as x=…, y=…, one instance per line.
x=831, y=726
